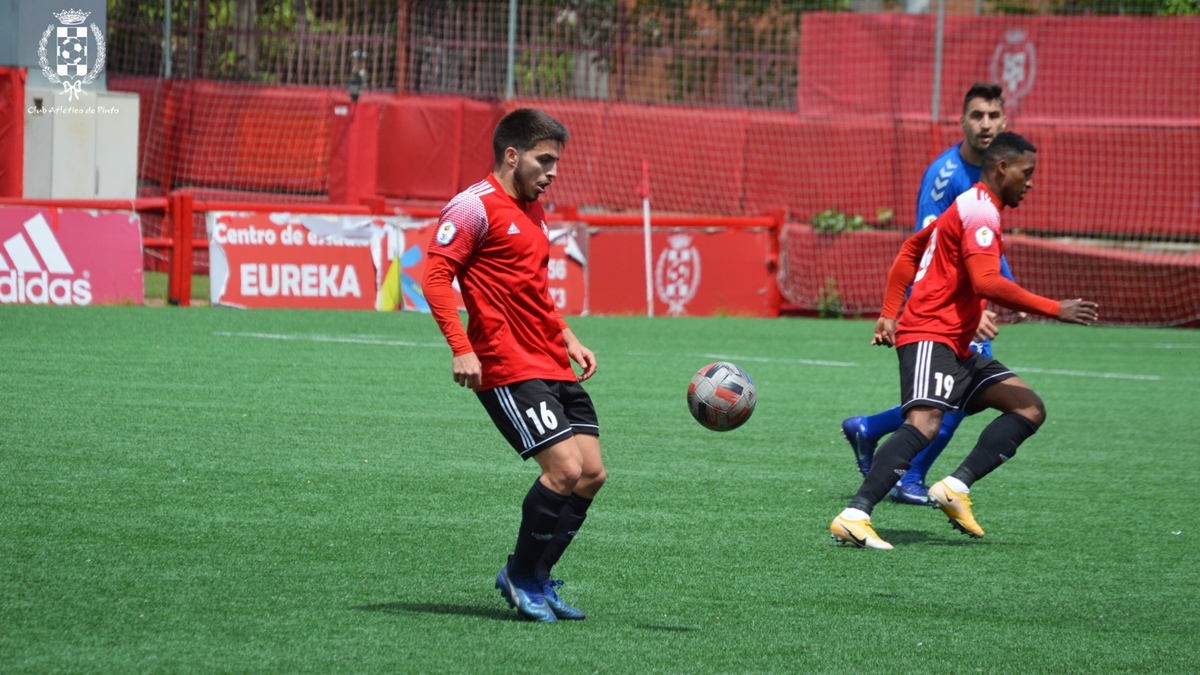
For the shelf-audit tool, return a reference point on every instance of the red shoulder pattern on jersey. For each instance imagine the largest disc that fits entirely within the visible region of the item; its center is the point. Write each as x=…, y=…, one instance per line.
x=463, y=224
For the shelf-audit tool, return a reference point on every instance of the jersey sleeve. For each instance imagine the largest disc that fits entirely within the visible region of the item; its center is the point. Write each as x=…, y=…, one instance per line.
x=981, y=227
x=904, y=269
x=461, y=229
x=439, y=293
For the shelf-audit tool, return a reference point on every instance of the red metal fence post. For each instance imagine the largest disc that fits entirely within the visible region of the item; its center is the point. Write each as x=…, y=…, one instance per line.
x=174, y=266
x=185, y=249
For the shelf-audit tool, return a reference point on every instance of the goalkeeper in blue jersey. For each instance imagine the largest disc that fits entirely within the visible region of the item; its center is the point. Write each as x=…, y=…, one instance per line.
x=951, y=174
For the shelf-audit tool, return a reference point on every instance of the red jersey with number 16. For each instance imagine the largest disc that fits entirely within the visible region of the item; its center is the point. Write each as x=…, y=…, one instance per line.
x=503, y=246
x=943, y=306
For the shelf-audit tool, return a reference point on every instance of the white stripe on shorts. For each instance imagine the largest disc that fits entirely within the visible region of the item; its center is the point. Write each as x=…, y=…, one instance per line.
x=510, y=408
x=921, y=370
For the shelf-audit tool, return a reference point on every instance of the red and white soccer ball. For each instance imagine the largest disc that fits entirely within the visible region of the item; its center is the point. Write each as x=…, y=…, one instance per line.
x=721, y=396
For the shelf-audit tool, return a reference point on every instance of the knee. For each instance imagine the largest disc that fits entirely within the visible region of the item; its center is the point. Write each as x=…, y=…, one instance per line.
x=590, y=483
x=929, y=427
x=564, y=477
x=1035, y=413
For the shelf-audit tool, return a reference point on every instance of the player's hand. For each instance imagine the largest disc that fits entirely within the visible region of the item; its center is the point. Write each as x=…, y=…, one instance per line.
x=585, y=358
x=987, y=329
x=1019, y=317
x=467, y=371
x=580, y=354
x=885, y=332
x=1077, y=311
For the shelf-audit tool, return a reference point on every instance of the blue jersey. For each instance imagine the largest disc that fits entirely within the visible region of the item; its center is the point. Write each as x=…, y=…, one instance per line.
x=948, y=177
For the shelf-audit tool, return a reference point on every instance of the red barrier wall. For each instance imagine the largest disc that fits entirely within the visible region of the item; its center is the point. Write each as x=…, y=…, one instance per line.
x=353, y=162
x=433, y=147
x=688, y=161
x=234, y=138
x=240, y=137
x=1145, y=69
x=697, y=272
x=1131, y=286
x=12, y=132
x=854, y=265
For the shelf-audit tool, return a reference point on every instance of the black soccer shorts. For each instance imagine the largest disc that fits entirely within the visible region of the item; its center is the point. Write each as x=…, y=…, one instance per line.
x=931, y=374
x=535, y=414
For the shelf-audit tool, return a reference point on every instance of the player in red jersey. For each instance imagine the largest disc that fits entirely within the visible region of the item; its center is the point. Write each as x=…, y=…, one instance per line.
x=514, y=353
x=954, y=268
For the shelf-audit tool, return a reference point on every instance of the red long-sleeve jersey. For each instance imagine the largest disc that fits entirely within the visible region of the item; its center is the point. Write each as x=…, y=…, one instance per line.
x=954, y=268
x=498, y=248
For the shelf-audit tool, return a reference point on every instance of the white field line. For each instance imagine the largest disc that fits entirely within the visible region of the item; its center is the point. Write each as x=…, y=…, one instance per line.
x=1104, y=345
x=373, y=340
x=1084, y=373
x=348, y=339
x=759, y=359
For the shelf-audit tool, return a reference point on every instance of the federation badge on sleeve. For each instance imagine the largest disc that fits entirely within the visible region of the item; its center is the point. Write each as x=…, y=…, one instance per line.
x=445, y=233
x=984, y=236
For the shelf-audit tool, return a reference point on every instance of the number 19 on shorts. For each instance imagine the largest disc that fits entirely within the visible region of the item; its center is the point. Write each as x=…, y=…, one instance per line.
x=945, y=385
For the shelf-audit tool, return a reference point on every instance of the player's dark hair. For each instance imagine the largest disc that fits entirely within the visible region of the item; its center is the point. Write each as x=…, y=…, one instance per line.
x=524, y=128
x=1007, y=145
x=985, y=91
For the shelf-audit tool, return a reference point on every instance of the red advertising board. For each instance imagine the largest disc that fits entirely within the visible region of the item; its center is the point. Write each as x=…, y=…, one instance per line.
x=262, y=259
x=879, y=65
x=69, y=257
x=695, y=272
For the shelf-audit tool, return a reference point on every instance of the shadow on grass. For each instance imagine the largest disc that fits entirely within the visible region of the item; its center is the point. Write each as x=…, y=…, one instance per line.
x=494, y=613
x=668, y=629
x=905, y=537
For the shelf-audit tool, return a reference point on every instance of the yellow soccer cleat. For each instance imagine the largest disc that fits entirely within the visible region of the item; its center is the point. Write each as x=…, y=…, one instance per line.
x=857, y=532
x=956, y=505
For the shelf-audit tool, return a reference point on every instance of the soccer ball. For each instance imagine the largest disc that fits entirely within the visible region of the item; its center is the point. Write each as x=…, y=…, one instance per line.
x=721, y=396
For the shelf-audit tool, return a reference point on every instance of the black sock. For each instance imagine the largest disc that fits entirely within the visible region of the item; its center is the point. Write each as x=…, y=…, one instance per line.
x=997, y=444
x=539, y=517
x=891, y=461
x=573, y=515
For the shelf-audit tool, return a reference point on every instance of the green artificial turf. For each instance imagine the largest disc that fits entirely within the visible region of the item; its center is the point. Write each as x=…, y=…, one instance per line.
x=205, y=490
x=155, y=284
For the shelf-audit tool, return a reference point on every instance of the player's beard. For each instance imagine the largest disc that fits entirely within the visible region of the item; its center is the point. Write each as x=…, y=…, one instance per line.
x=525, y=182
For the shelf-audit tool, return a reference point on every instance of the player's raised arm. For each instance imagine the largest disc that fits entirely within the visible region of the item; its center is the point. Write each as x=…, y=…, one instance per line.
x=904, y=270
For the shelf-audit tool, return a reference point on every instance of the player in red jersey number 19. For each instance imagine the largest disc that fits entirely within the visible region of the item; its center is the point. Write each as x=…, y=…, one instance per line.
x=516, y=352
x=953, y=267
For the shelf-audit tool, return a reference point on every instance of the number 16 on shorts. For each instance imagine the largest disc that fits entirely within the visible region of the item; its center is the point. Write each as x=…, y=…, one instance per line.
x=535, y=414
x=544, y=421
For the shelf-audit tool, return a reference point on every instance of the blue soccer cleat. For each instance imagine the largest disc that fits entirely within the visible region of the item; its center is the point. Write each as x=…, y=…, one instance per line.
x=561, y=609
x=525, y=593
x=915, y=494
x=862, y=444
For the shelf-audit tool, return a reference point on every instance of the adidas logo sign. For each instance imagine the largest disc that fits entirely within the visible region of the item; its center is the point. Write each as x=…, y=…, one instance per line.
x=25, y=280
x=512, y=229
